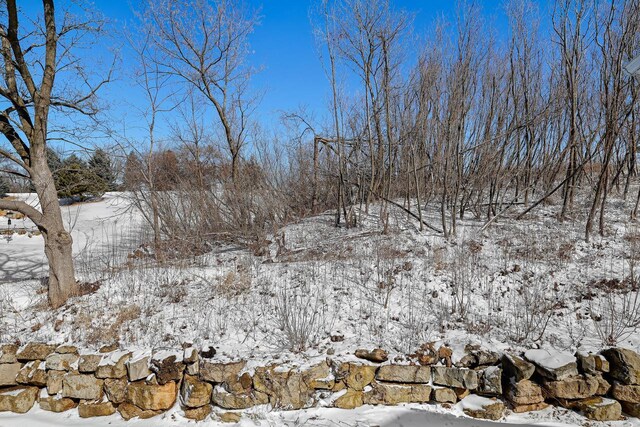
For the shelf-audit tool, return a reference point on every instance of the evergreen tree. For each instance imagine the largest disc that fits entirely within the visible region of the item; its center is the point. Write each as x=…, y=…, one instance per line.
x=77, y=180
x=100, y=165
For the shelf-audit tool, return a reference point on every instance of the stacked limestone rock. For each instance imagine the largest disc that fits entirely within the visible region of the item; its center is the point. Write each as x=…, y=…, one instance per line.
x=625, y=373
x=482, y=383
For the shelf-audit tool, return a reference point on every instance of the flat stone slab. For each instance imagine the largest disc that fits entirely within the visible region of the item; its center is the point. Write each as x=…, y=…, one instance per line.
x=455, y=377
x=8, y=373
x=553, y=365
x=404, y=374
x=80, y=386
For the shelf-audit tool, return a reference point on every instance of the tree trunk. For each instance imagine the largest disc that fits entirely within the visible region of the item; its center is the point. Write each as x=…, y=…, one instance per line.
x=57, y=241
x=62, y=283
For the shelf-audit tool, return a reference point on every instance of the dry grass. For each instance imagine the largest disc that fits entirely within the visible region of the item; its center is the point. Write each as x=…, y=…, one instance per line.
x=111, y=334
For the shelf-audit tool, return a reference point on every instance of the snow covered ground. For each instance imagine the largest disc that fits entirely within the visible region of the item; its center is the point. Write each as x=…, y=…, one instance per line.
x=516, y=285
x=366, y=416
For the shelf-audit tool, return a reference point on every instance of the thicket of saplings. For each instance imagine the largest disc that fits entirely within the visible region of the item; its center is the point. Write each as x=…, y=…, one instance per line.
x=466, y=120
x=477, y=126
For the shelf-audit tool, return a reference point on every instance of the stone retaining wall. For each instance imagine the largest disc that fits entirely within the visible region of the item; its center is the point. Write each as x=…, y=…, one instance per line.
x=59, y=378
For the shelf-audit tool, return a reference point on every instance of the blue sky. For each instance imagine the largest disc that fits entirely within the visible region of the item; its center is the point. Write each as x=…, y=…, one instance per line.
x=283, y=47
x=285, y=50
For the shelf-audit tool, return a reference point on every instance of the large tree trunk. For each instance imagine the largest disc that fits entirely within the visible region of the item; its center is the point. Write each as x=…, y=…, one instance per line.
x=57, y=240
x=62, y=284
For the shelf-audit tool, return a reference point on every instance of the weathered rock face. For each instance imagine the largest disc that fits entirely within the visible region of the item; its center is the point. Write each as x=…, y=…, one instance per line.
x=193, y=369
x=404, y=374
x=599, y=409
x=95, y=409
x=444, y=355
x=241, y=384
x=286, y=389
x=624, y=365
x=115, y=389
x=151, y=396
x=190, y=355
x=486, y=357
x=33, y=373
x=197, y=414
x=455, y=377
x=54, y=381
x=167, y=368
x=220, y=372
x=18, y=400
x=60, y=362
x=138, y=369
x=8, y=353
x=222, y=398
x=478, y=357
x=195, y=393
x=35, y=351
x=587, y=363
x=230, y=417
x=626, y=393
x=88, y=363
x=319, y=377
x=377, y=355
x=603, y=385
x=632, y=409
x=67, y=349
x=444, y=395
x=160, y=378
x=517, y=368
x=80, y=386
x=461, y=393
x=393, y=394
x=518, y=409
x=113, y=365
x=602, y=364
x=552, y=365
x=572, y=388
x=355, y=376
x=56, y=403
x=490, y=381
x=128, y=411
x=350, y=400
x=524, y=392
x=8, y=373
x=481, y=407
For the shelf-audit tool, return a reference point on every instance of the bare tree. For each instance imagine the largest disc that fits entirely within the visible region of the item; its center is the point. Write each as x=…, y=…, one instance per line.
x=204, y=44
x=616, y=29
x=34, y=56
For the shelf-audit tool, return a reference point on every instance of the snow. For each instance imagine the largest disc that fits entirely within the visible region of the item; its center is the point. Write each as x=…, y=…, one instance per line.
x=138, y=355
x=112, y=358
x=163, y=354
x=366, y=416
x=549, y=359
x=475, y=403
x=606, y=402
x=518, y=285
x=229, y=298
x=13, y=392
x=189, y=353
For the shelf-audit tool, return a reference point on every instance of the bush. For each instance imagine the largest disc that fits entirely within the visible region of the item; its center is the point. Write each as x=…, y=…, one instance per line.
x=76, y=180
